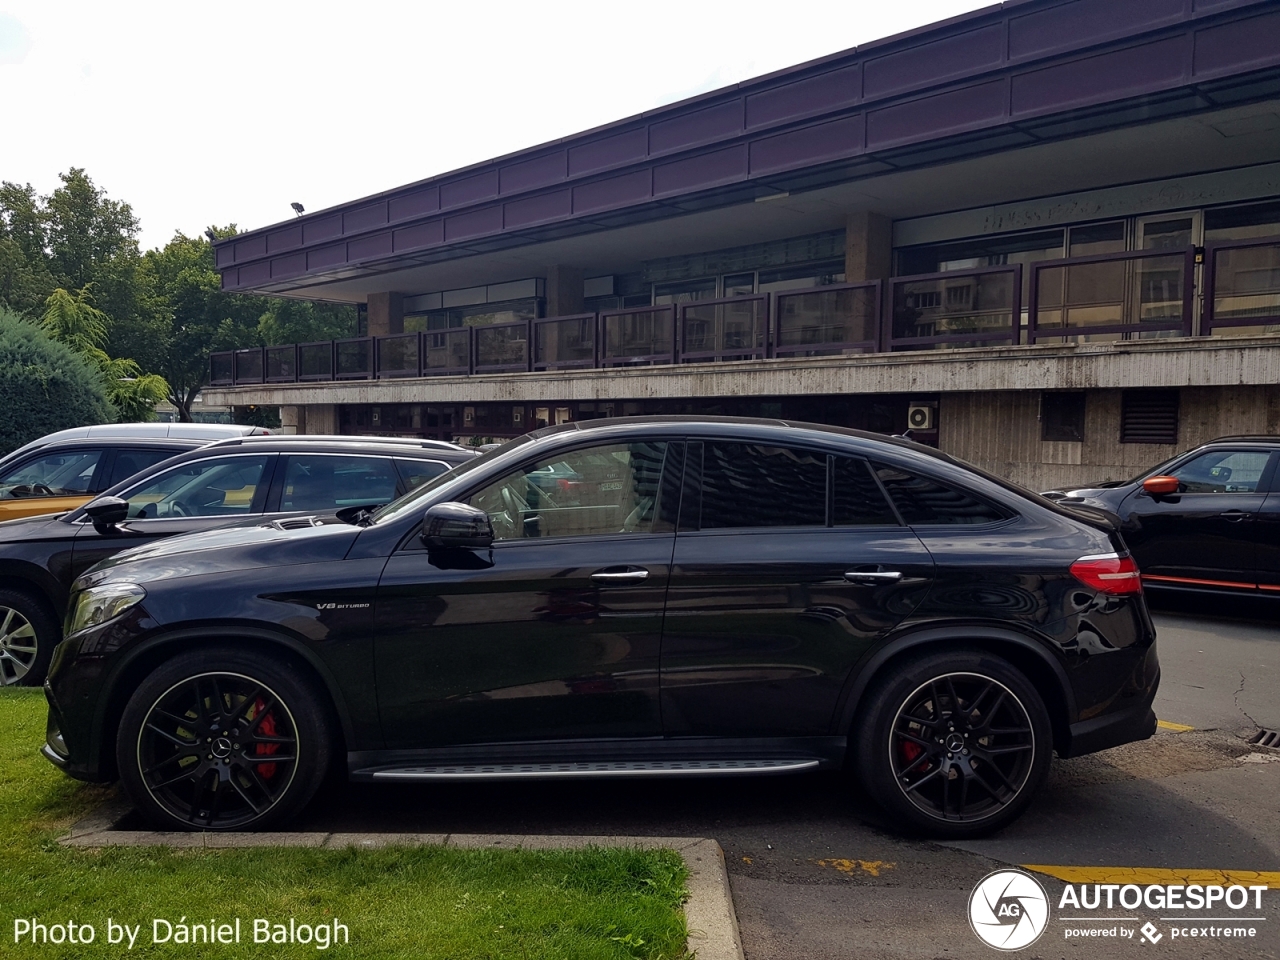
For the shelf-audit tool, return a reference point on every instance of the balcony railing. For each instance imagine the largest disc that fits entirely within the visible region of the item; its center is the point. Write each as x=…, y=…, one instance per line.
x=641, y=336
x=960, y=308
x=734, y=328
x=1130, y=296
x=825, y=321
x=1139, y=294
x=565, y=343
x=1244, y=279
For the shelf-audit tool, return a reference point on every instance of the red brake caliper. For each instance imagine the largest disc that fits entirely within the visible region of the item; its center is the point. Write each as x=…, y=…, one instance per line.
x=268, y=729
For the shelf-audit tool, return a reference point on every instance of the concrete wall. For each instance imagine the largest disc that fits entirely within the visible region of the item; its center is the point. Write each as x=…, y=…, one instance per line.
x=1000, y=431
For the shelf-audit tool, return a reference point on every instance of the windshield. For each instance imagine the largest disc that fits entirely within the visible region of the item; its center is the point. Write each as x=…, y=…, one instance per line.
x=408, y=503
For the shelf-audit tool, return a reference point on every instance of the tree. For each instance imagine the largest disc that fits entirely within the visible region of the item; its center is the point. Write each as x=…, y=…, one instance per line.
x=44, y=385
x=72, y=319
x=193, y=317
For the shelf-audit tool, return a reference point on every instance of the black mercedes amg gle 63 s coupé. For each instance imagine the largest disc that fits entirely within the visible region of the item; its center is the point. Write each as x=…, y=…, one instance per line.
x=620, y=598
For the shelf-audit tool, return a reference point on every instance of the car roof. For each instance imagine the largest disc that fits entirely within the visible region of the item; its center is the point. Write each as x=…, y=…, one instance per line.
x=1244, y=438
x=200, y=432
x=393, y=446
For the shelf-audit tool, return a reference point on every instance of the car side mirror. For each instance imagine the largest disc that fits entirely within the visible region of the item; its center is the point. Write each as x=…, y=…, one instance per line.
x=449, y=526
x=1161, y=486
x=107, y=511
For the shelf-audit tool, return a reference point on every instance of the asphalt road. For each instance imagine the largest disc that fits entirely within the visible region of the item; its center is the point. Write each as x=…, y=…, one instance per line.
x=817, y=873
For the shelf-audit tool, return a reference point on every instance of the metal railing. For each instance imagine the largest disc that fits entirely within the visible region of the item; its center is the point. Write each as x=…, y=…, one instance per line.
x=732, y=328
x=1137, y=294
x=1113, y=296
x=981, y=307
x=1243, y=280
x=842, y=318
x=565, y=343
x=641, y=336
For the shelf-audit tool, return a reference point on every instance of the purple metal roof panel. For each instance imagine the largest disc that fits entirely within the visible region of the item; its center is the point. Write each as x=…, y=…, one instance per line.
x=458, y=193
x=531, y=174
x=1083, y=22
x=961, y=55
x=1132, y=70
x=538, y=209
x=822, y=93
x=1223, y=49
x=808, y=145
x=625, y=147
x=984, y=81
x=420, y=203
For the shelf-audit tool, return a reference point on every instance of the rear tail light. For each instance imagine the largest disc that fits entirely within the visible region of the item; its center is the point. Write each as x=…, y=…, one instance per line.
x=1109, y=573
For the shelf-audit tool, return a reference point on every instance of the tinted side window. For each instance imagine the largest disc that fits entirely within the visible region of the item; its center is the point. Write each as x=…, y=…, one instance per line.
x=219, y=487
x=921, y=500
x=129, y=462
x=599, y=491
x=748, y=485
x=417, y=472
x=1223, y=471
x=858, y=499
x=66, y=474
x=330, y=483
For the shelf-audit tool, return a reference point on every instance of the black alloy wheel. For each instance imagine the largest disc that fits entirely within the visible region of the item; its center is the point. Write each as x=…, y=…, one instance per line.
x=28, y=634
x=956, y=744
x=222, y=740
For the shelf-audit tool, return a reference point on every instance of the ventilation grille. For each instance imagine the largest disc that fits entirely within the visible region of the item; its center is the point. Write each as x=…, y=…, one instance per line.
x=1266, y=738
x=1149, y=416
x=296, y=523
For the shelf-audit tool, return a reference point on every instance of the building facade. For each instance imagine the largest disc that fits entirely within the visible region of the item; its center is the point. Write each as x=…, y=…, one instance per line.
x=1044, y=236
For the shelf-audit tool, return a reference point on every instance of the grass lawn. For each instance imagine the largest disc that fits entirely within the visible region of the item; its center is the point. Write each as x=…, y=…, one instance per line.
x=411, y=902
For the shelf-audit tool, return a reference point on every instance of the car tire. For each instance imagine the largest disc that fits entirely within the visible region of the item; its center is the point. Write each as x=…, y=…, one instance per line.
x=953, y=744
x=28, y=634
x=223, y=739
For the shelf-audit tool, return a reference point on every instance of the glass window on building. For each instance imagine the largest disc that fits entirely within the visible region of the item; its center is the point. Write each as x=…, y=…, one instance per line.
x=474, y=315
x=685, y=291
x=1242, y=222
x=802, y=276
x=1094, y=239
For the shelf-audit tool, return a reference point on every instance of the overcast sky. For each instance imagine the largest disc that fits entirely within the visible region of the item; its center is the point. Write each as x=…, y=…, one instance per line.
x=225, y=112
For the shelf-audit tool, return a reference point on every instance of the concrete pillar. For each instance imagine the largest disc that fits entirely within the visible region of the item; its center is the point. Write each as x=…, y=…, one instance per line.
x=293, y=419
x=386, y=314
x=564, y=291
x=868, y=247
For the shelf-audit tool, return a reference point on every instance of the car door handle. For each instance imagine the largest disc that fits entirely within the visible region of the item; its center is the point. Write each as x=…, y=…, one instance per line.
x=1235, y=516
x=620, y=576
x=873, y=576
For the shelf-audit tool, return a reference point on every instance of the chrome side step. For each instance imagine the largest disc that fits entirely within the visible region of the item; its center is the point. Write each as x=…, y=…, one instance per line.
x=609, y=768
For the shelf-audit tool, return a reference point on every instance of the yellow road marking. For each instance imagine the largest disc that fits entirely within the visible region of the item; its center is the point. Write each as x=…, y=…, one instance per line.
x=1146, y=875
x=870, y=867
x=1175, y=727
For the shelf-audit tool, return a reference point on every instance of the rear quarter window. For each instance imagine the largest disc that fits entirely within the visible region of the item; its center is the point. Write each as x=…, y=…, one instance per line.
x=924, y=501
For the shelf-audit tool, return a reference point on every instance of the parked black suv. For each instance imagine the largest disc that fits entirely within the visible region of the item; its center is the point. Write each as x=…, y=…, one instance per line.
x=1206, y=521
x=699, y=597
x=232, y=480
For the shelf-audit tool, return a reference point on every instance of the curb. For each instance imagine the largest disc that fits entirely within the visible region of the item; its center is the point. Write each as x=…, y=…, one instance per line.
x=713, y=926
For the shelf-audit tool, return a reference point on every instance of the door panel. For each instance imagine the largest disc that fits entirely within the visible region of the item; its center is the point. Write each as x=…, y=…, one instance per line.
x=789, y=564
x=1267, y=539
x=763, y=627
x=530, y=647
x=554, y=633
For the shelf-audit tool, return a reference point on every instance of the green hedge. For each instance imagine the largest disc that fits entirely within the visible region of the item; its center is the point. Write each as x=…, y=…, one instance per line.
x=44, y=385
